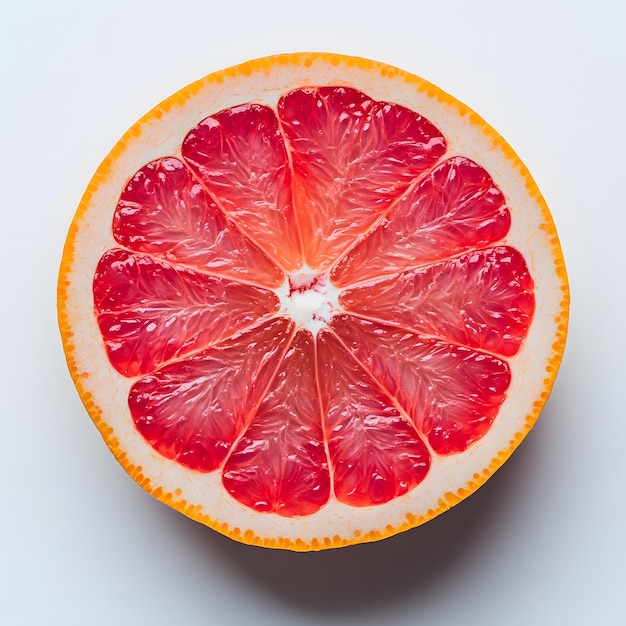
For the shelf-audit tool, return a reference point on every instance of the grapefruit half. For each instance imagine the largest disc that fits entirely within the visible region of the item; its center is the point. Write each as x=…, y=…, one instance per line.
x=312, y=301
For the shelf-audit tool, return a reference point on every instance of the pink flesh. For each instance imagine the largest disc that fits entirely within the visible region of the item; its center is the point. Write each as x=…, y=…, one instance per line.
x=375, y=453
x=451, y=393
x=352, y=157
x=240, y=156
x=279, y=465
x=483, y=300
x=150, y=312
x=193, y=409
x=414, y=367
x=165, y=212
x=455, y=208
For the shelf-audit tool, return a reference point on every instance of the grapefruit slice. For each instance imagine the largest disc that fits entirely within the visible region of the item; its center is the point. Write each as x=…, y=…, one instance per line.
x=312, y=300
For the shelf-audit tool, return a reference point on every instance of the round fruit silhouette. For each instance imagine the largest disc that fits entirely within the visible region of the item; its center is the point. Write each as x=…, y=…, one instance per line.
x=312, y=301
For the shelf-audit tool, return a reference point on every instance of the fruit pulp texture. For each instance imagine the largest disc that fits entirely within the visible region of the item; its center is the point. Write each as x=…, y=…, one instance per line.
x=313, y=300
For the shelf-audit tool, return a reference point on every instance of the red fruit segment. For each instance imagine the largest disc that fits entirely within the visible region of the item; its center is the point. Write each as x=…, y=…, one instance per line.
x=457, y=207
x=150, y=312
x=239, y=155
x=192, y=410
x=280, y=465
x=483, y=300
x=451, y=393
x=375, y=453
x=352, y=157
x=165, y=212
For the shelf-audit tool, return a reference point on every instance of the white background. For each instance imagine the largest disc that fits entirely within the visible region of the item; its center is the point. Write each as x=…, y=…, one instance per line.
x=542, y=543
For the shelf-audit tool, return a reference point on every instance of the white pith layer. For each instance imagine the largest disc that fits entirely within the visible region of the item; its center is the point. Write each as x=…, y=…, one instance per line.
x=309, y=299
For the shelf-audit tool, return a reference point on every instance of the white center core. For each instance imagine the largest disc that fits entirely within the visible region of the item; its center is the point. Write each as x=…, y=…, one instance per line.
x=309, y=299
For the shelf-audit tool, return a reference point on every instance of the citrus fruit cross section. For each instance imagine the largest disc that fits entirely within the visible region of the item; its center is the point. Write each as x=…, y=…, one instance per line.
x=313, y=300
